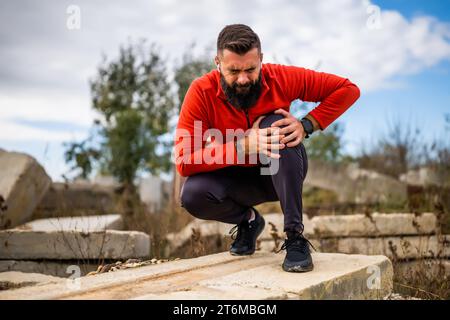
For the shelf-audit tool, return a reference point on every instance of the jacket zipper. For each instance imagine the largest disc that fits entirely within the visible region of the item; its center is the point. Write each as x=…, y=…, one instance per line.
x=248, y=120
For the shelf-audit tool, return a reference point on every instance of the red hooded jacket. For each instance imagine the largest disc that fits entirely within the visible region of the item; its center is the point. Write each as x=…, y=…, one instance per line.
x=205, y=101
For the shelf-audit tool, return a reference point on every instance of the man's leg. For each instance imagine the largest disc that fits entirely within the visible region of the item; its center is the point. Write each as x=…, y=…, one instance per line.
x=225, y=195
x=228, y=195
x=287, y=177
x=288, y=180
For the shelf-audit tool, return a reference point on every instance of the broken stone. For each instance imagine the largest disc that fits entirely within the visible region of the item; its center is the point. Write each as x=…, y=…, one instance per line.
x=355, y=185
x=61, y=268
x=23, y=184
x=376, y=224
x=14, y=279
x=109, y=244
x=407, y=247
x=82, y=223
x=76, y=199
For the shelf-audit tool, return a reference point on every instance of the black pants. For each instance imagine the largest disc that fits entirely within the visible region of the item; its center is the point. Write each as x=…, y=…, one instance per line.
x=226, y=195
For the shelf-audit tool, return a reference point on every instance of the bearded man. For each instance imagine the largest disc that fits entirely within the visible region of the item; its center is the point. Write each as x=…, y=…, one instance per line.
x=256, y=153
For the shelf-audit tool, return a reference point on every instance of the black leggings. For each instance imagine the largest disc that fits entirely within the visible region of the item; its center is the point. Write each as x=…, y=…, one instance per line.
x=226, y=195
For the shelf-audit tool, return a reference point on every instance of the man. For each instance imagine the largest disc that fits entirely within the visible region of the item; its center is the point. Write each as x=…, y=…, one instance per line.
x=224, y=181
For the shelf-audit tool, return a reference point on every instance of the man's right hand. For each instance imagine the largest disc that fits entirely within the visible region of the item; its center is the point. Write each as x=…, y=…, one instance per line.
x=265, y=141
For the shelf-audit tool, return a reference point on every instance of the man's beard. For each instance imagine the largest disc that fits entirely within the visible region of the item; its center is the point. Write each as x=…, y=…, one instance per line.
x=242, y=101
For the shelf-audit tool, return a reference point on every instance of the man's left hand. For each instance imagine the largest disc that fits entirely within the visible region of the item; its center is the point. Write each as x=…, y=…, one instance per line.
x=293, y=130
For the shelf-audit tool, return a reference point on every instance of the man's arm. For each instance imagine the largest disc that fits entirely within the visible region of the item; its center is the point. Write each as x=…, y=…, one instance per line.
x=191, y=153
x=335, y=94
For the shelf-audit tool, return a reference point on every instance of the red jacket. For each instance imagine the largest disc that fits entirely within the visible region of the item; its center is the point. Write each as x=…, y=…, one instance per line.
x=206, y=102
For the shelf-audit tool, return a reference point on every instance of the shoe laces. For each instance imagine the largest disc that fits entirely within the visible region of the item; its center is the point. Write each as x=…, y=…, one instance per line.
x=299, y=241
x=239, y=232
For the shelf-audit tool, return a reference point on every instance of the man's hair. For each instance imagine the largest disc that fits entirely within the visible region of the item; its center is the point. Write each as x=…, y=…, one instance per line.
x=237, y=38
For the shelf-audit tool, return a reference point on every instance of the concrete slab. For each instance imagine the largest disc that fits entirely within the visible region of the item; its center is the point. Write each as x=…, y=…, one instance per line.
x=57, y=268
x=375, y=224
x=110, y=244
x=76, y=199
x=23, y=184
x=81, y=223
x=408, y=247
x=222, y=276
x=355, y=185
x=277, y=219
x=12, y=279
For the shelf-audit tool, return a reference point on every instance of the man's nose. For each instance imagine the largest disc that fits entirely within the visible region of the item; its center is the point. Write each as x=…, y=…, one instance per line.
x=243, y=79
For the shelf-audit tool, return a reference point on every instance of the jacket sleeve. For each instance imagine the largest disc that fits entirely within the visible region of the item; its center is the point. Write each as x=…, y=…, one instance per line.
x=335, y=94
x=191, y=153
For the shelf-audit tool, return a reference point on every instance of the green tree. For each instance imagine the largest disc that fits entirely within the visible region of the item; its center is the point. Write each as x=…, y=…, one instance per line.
x=326, y=145
x=131, y=95
x=191, y=67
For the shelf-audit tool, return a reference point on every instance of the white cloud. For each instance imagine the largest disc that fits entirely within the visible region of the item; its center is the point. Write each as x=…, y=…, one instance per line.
x=333, y=32
x=44, y=67
x=17, y=132
x=47, y=106
x=38, y=108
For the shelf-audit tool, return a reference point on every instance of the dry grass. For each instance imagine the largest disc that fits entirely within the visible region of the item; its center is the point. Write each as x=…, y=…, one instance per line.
x=425, y=279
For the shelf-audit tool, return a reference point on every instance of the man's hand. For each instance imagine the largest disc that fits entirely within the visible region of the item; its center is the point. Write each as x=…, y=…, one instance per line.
x=262, y=140
x=293, y=130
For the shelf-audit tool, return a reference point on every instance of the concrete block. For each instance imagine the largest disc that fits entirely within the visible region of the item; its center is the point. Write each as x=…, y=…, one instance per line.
x=272, y=246
x=407, y=247
x=109, y=244
x=23, y=184
x=76, y=199
x=277, y=219
x=56, y=268
x=82, y=223
x=355, y=185
x=376, y=224
x=13, y=279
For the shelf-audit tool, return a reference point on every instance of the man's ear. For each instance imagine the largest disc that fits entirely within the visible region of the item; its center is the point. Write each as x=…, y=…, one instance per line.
x=216, y=60
x=262, y=57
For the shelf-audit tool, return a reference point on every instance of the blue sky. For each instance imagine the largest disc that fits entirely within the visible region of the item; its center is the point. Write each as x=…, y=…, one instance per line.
x=411, y=8
x=402, y=66
x=422, y=100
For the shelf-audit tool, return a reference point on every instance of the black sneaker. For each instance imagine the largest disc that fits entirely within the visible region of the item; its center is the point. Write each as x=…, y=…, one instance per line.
x=298, y=256
x=245, y=234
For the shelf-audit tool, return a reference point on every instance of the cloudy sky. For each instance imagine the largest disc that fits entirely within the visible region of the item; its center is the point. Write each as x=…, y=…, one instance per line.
x=398, y=52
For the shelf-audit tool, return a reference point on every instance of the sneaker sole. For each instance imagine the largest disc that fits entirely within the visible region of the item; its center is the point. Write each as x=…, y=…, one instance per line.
x=298, y=268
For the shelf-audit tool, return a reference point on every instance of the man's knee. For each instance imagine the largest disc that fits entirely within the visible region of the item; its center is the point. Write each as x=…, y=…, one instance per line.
x=295, y=152
x=269, y=119
x=190, y=195
x=195, y=197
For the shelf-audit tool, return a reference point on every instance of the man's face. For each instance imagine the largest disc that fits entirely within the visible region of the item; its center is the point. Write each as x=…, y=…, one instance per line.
x=240, y=77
